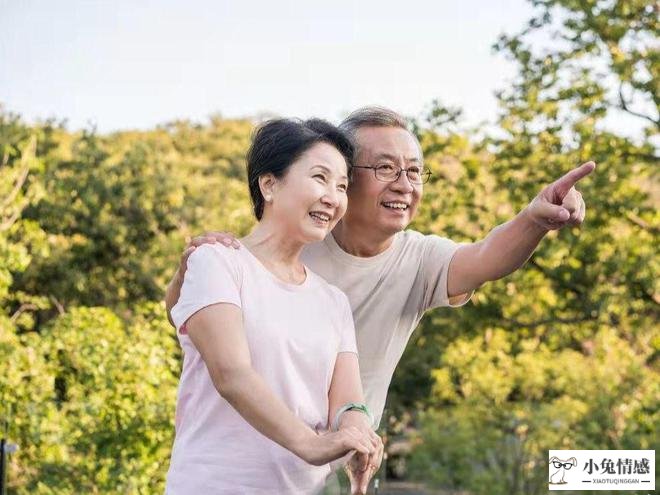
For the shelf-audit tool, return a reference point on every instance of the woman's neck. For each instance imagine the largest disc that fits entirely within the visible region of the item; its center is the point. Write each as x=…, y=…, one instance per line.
x=276, y=251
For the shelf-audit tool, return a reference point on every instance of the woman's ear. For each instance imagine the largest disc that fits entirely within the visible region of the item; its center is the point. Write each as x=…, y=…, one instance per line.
x=267, y=186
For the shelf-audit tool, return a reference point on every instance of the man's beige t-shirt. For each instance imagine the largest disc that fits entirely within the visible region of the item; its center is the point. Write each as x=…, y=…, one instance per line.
x=388, y=294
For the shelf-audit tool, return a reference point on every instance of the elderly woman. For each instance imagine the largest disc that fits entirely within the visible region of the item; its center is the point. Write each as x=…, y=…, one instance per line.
x=269, y=347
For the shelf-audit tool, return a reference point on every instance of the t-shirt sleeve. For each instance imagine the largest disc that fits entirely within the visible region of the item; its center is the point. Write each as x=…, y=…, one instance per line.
x=212, y=277
x=347, y=342
x=437, y=255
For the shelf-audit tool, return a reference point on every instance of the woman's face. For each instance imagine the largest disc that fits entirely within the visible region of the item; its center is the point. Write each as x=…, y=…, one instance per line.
x=311, y=197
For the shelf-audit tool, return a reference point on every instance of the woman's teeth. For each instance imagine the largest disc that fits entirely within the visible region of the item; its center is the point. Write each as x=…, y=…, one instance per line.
x=321, y=217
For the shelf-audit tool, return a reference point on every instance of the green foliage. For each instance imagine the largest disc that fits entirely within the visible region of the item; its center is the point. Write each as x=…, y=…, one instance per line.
x=562, y=354
x=19, y=237
x=91, y=228
x=498, y=411
x=92, y=402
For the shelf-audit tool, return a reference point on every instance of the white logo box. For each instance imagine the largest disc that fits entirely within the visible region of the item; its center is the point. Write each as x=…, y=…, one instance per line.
x=601, y=470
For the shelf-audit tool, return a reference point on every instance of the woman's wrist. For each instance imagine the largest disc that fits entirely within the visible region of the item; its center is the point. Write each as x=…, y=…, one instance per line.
x=354, y=418
x=359, y=407
x=302, y=441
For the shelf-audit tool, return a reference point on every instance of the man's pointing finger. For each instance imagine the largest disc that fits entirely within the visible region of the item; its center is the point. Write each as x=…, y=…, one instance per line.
x=564, y=183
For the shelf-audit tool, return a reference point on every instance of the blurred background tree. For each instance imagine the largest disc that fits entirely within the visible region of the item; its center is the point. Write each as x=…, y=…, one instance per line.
x=562, y=354
x=92, y=227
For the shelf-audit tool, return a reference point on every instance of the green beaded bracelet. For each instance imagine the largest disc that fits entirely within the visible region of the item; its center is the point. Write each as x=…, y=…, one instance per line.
x=352, y=406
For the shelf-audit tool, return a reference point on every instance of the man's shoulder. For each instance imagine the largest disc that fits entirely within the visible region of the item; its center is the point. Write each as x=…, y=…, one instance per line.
x=429, y=248
x=334, y=293
x=416, y=238
x=315, y=253
x=314, y=247
x=411, y=236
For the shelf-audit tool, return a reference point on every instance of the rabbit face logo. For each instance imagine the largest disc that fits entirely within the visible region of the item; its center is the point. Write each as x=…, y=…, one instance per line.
x=558, y=468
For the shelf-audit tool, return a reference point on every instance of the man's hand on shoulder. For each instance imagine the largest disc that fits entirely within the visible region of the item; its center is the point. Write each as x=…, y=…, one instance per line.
x=225, y=238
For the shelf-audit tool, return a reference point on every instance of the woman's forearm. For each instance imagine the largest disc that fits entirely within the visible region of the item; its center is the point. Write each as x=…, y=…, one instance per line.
x=253, y=399
x=216, y=331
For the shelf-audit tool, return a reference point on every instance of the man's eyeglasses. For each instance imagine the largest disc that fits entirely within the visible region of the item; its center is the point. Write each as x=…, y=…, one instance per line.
x=391, y=173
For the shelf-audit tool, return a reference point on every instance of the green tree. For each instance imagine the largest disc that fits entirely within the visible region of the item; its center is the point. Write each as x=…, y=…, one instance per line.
x=96, y=414
x=91, y=228
x=562, y=354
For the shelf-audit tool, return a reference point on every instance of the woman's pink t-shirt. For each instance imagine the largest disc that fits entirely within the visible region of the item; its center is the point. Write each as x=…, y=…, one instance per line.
x=294, y=333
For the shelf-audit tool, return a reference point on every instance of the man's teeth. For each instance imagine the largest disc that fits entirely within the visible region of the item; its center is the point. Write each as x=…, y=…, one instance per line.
x=322, y=217
x=398, y=206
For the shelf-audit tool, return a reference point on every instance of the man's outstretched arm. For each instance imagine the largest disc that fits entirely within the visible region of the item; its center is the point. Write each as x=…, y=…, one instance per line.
x=508, y=246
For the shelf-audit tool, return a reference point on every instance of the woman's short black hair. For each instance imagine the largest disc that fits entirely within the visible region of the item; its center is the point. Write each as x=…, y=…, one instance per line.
x=277, y=143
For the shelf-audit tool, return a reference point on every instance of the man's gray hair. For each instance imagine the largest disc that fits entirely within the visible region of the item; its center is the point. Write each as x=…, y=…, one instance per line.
x=372, y=116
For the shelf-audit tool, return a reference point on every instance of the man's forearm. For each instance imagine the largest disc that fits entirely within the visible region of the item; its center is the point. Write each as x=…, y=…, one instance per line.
x=508, y=246
x=505, y=249
x=172, y=294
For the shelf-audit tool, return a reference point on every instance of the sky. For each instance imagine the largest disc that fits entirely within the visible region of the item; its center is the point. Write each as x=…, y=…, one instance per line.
x=121, y=64
x=134, y=64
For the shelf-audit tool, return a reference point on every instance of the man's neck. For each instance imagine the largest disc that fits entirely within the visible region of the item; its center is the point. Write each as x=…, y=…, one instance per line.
x=360, y=242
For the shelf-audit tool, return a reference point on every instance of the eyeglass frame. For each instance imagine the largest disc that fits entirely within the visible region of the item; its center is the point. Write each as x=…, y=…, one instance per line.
x=425, y=173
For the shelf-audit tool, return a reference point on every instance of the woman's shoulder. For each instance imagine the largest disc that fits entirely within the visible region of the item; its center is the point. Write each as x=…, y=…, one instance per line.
x=215, y=251
x=213, y=257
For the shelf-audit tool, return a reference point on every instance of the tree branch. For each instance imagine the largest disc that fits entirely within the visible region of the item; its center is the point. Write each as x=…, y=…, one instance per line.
x=58, y=305
x=22, y=309
x=28, y=151
x=6, y=224
x=537, y=323
x=641, y=156
x=635, y=220
x=624, y=106
x=575, y=290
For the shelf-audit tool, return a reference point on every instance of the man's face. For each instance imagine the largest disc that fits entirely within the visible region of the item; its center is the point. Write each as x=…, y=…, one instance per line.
x=387, y=207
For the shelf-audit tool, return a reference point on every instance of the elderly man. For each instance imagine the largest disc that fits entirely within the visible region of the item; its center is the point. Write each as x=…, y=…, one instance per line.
x=392, y=276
